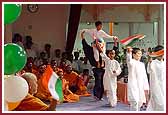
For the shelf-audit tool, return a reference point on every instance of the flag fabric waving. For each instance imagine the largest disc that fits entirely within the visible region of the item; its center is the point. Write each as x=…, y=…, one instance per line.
x=156, y=54
x=53, y=83
x=131, y=39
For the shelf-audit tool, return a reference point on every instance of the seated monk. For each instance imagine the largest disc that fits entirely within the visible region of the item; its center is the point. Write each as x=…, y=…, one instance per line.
x=30, y=67
x=31, y=103
x=76, y=84
x=42, y=92
x=54, y=66
x=68, y=95
x=63, y=65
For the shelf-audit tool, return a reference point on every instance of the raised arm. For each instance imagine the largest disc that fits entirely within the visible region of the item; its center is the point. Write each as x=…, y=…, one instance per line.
x=89, y=31
x=129, y=56
x=88, y=50
x=105, y=35
x=104, y=56
x=85, y=44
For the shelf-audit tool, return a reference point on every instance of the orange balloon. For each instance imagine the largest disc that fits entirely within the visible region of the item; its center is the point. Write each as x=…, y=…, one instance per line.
x=12, y=105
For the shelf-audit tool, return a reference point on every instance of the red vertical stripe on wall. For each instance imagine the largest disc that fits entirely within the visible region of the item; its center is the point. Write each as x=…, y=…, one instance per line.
x=74, y=19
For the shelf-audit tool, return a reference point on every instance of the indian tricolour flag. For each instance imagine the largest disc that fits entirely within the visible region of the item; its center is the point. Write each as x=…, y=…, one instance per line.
x=156, y=54
x=131, y=39
x=52, y=81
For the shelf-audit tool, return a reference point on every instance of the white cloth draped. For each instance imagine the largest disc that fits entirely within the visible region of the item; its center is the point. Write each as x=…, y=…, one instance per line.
x=137, y=81
x=157, y=86
x=110, y=78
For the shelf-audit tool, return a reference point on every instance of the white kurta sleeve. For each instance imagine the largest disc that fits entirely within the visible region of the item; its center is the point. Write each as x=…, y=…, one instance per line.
x=156, y=90
x=104, y=56
x=145, y=79
x=118, y=71
x=105, y=35
x=129, y=59
x=149, y=68
x=89, y=31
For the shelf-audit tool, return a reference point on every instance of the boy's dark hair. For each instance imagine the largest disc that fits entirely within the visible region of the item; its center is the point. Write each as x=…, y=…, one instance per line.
x=64, y=53
x=81, y=58
x=157, y=48
x=17, y=35
x=97, y=23
x=108, y=51
x=85, y=70
x=28, y=38
x=76, y=54
x=42, y=53
x=14, y=39
x=45, y=61
x=57, y=50
x=48, y=45
x=135, y=50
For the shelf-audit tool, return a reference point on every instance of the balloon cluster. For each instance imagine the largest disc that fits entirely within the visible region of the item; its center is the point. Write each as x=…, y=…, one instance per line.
x=15, y=87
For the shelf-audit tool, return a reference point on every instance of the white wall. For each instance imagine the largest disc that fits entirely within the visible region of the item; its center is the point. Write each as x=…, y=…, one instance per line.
x=120, y=12
x=7, y=33
x=46, y=26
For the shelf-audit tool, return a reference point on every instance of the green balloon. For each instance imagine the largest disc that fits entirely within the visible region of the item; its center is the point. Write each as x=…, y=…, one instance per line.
x=11, y=12
x=14, y=58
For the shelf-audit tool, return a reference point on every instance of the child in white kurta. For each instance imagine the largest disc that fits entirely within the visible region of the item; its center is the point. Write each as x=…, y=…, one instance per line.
x=97, y=35
x=137, y=79
x=112, y=70
x=157, y=83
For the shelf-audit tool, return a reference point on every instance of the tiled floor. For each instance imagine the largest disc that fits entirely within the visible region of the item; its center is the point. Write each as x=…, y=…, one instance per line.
x=90, y=104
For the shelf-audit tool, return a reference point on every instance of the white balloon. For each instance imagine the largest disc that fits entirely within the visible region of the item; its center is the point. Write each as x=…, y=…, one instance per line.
x=6, y=76
x=15, y=89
